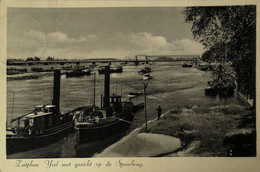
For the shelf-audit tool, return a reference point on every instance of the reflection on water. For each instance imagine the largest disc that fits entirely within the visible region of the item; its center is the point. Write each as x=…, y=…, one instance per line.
x=172, y=86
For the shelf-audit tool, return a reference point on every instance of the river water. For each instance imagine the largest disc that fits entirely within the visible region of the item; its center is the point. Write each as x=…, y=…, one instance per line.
x=170, y=87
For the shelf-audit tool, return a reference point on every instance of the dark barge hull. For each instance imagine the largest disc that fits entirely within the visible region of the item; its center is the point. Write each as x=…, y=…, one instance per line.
x=91, y=133
x=102, y=71
x=187, y=65
x=16, y=143
x=71, y=74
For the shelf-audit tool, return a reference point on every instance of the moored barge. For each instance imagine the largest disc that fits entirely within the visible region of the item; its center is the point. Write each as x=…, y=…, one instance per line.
x=113, y=116
x=113, y=69
x=43, y=126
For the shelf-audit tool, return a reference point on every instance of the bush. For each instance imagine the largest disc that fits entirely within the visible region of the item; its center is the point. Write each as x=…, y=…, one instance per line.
x=230, y=109
x=223, y=78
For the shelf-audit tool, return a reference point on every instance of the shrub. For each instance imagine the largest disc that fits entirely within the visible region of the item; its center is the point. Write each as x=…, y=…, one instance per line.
x=223, y=78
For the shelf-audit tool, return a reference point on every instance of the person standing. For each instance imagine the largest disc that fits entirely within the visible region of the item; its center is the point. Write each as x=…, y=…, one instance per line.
x=159, y=110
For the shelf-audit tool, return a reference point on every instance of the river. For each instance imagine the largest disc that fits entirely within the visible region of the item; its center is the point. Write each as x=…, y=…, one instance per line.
x=170, y=87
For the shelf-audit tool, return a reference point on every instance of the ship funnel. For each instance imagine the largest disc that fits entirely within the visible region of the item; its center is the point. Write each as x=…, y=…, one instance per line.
x=107, y=87
x=56, y=90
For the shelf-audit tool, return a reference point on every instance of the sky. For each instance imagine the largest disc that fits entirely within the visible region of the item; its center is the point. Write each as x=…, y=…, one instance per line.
x=78, y=33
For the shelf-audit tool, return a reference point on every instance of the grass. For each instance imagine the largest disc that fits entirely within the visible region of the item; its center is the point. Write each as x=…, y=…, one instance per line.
x=209, y=125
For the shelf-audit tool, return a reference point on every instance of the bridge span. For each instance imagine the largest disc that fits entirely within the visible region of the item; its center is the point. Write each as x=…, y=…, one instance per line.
x=136, y=61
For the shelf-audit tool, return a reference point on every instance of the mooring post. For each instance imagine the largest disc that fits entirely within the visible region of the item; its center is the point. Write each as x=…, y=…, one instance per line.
x=145, y=84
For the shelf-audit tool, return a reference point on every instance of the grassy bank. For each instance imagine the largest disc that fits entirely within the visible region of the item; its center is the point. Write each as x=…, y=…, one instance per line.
x=35, y=75
x=218, y=129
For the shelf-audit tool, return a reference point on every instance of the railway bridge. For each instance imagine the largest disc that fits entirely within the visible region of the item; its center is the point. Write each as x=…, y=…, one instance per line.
x=136, y=60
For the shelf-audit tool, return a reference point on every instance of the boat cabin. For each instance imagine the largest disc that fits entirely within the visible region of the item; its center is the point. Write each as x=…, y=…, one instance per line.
x=42, y=118
x=115, y=99
x=115, y=102
x=42, y=108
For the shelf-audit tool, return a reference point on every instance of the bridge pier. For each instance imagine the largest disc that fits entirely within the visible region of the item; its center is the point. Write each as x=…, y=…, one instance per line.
x=136, y=61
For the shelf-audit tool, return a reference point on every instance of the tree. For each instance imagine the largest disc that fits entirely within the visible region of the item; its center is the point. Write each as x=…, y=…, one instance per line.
x=49, y=58
x=215, y=53
x=36, y=58
x=234, y=28
x=29, y=59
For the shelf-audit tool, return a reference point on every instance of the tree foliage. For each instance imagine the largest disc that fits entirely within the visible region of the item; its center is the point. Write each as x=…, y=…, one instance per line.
x=49, y=58
x=29, y=59
x=228, y=32
x=37, y=58
x=215, y=53
x=33, y=59
x=223, y=77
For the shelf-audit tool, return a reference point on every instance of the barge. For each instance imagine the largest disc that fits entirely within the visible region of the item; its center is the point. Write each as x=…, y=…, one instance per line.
x=113, y=116
x=43, y=126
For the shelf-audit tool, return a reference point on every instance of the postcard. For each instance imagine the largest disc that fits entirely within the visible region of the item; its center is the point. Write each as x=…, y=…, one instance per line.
x=129, y=85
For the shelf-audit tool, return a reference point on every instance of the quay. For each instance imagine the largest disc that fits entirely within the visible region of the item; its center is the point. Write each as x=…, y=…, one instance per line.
x=148, y=145
x=189, y=131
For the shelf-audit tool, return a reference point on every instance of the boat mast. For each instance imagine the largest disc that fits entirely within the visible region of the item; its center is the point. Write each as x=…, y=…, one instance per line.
x=107, y=91
x=121, y=89
x=116, y=88
x=94, y=89
x=13, y=110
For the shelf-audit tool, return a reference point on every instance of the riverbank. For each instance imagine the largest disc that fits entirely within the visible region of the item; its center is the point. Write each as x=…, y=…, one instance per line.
x=212, y=131
x=31, y=75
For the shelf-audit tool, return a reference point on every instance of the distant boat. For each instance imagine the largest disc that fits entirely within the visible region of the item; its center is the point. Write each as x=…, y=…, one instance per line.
x=147, y=76
x=134, y=94
x=78, y=73
x=37, y=69
x=113, y=69
x=206, y=68
x=66, y=67
x=146, y=69
x=187, y=65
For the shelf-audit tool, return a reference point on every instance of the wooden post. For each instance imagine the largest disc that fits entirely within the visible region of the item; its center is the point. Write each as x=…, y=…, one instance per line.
x=145, y=84
x=94, y=88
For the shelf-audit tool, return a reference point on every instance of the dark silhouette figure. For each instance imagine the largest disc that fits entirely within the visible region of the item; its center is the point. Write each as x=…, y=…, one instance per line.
x=159, y=110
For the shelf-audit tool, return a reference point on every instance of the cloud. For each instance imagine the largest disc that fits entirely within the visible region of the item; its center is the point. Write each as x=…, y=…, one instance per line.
x=159, y=45
x=117, y=45
x=35, y=35
x=36, y=43
x=56, y=37
x=147, y=40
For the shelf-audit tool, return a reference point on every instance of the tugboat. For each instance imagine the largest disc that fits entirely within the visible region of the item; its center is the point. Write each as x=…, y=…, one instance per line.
x=134, y=94
x=146, y=69
x=43, y=126
x=113, y=116
x=113, y=69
